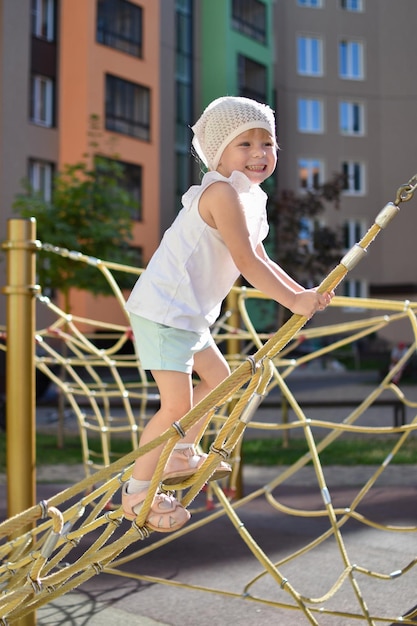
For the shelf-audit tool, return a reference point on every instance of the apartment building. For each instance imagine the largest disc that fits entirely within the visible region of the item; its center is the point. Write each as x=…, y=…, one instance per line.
x=63, y=65
x=178, y=67
x=235, y=52
x=236, y=49
x=345, y=103
x=338, y=72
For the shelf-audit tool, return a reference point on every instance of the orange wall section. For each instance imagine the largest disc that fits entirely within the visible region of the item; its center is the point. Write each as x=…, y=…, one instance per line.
x=81, y=93
x=105, y=309
x=76, y=21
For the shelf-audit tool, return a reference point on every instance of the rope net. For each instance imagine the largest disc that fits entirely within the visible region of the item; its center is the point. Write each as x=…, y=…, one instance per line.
x=111, y=397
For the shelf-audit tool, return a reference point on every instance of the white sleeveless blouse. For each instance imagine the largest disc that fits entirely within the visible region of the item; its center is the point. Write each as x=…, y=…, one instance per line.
x=192, y=270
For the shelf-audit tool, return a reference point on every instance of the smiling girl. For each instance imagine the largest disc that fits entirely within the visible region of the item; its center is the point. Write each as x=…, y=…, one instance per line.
x=216, y=237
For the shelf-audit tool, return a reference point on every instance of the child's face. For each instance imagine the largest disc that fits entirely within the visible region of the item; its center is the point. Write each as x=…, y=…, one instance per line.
x=253, y=152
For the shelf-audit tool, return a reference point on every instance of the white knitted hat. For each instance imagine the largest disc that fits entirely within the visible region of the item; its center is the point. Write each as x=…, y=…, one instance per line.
x=223, y=120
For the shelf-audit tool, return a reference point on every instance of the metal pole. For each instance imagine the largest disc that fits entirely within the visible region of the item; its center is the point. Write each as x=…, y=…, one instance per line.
x=20, y=370
x=233, y=344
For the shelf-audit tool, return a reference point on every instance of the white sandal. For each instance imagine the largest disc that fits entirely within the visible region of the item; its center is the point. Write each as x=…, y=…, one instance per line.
x=165, y=515
x=184, y=463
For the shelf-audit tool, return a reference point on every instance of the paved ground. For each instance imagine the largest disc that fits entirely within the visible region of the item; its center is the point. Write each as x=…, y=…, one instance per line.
x=216, y=555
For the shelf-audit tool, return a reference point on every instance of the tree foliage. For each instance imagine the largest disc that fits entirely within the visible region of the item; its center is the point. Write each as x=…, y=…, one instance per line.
x=89, y=212
x=302, y=244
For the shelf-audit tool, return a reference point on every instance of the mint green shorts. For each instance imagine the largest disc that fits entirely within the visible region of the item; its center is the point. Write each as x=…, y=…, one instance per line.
x=162, y=347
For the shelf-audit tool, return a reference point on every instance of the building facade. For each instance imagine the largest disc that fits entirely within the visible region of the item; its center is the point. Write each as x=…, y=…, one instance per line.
x=345, y=104
x=236, y=49
x=139, y=72
x=82, y=78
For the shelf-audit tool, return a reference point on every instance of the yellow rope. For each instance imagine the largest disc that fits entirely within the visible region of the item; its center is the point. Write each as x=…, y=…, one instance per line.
x=31, y=572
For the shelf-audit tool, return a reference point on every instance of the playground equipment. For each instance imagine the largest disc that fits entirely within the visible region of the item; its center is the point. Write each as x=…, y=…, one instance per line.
x=38, y=547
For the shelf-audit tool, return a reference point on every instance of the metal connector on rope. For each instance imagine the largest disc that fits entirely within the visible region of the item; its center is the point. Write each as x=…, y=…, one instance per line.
x=405, y=192
x=142, y=531
x=252, y=362
x=388, y=213
x=223, y=453
x=385, y=216
x=177, y=426
x=249, y=410
x=353, y=256
x=50, y=544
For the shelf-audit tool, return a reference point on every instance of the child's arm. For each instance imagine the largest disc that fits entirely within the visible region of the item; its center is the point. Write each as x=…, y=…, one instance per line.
x=220, y=207
x=290, y=282
x=277, y=269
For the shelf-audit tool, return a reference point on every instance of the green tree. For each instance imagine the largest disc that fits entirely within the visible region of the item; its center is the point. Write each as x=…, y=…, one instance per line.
x=89, y=212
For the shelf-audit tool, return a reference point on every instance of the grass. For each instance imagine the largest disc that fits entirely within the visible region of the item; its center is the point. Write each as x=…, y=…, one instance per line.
x=48, y=453
x=366, y=451
x=262, y=452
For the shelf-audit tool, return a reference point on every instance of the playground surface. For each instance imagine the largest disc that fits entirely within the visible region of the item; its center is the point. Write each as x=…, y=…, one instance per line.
x=216, y=556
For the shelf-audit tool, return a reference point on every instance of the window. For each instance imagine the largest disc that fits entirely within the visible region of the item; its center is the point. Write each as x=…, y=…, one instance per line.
x=314, y=4
x=310, y=56
x=184, y=98
x=137, y=251
x=119, y=25
x=129, y=177
x=184, y=114
x=351, y=60
x=43, y=19
x=184, y=41
x=353, y=232
x=354, y=289
x=306, y=233
x=310, y=173
x=351, y=118
x=354, y=177
x=252, y=79
x=127, y=108
x=249, y=18
x=132, y=183
x=352, y=5
x=42, y=100
x=310, y=115
x=41, y=175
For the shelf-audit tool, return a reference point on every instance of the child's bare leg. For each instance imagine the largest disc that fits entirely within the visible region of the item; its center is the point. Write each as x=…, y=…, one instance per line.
x=175, y=390
x=166, y=513
x=185, y=460
x=177, y=397
x=212, y=368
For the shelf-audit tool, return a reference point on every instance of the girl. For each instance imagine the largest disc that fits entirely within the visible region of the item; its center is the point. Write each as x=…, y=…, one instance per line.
x=216, y=237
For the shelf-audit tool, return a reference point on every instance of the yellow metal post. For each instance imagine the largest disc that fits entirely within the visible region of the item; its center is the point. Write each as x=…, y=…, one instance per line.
x=233, y=344
x=20, y=370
